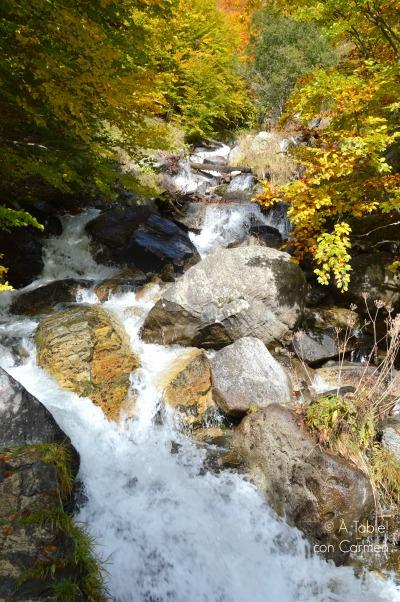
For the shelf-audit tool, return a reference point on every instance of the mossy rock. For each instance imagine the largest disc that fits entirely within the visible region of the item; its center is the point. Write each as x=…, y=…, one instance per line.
x=86, y=349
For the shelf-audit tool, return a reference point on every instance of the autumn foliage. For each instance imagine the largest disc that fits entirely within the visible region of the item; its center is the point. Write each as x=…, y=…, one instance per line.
x=79, y=79
x=350, y=114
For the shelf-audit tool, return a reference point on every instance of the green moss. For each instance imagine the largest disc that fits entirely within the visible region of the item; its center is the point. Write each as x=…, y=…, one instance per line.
x=333, y=416
x=65, y=590
x=82, y=559
x=59, y=456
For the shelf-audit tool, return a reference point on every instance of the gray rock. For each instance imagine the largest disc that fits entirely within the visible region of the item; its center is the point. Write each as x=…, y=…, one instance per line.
x=391, y=436
x=245, y=375
x=313, y=346
x=23, y=419
x=233, y=293
x=313, y=489
x=137, y=236
x=45, y=298
x=370, y=276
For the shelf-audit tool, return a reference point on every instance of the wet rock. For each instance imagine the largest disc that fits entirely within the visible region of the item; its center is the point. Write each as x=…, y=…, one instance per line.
x=87, y=351
x=314, y=346
x=124, y=281
x=44, y=299
x=190, y=216
x=22, y=250
x=247, y=291
x=266, y=236
x=186, y=386
x=28, y=488
x=246, y=376
x=23, y=419
x=371, y=276
x=136, y=236
x=313, y=489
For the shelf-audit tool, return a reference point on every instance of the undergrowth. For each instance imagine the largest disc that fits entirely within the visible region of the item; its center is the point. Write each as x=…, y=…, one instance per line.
x=265, y=157
x=350, y=423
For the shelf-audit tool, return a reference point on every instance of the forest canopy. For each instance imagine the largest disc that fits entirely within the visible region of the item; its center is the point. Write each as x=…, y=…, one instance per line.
x=79, y=79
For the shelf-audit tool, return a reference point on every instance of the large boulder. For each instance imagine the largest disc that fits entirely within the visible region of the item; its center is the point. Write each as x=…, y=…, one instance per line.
x=31, y=488
x=23, y=419
x=246, y=376
x=315, y=490
x=186, y=387
x=233, y=293
x=137, y=236
x=87, y=351
x=45, y=298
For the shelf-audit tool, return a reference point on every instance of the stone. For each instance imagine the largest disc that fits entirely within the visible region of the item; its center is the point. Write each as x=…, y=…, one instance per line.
x=44, y=299
x=391, y=435
x=371, y=276
x=315, y=490
x=30, y=487
x=330, y=318
x=189, y=215
x=87, y=351
x=22, y=250
x=232, y=293
x=124, y=281
x=186, y=387
x=347, y=374
x=23, y=419
x=137, y=236
x=314, y=346
x=246, y=376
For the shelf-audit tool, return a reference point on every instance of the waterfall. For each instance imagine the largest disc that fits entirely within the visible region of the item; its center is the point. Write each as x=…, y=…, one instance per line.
x=169, y=530
x=224, y=224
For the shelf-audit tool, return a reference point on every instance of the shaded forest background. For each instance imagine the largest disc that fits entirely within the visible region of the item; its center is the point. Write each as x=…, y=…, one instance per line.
x=82, y=82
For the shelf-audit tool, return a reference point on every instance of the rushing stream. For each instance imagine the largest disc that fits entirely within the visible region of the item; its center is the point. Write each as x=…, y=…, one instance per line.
x=168, y=530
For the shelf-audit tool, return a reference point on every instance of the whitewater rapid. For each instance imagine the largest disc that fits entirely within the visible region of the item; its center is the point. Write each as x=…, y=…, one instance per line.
x=167, y=529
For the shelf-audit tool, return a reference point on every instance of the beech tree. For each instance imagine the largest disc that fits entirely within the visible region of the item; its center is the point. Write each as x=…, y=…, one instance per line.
x=79, y=79
x=351, y=112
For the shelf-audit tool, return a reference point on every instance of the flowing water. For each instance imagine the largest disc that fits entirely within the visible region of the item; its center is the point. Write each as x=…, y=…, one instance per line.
x=169, y=530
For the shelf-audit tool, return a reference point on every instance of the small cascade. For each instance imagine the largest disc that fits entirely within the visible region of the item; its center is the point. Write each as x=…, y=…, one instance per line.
x=225, y=224
x=169, y=530
x=186, y=182
x=68, y=255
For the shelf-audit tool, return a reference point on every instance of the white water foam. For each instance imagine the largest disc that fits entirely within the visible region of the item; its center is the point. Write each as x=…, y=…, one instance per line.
x=68, y=255
x=224, y=224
